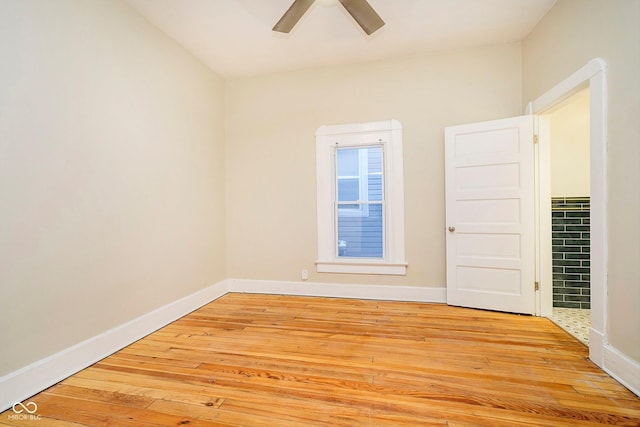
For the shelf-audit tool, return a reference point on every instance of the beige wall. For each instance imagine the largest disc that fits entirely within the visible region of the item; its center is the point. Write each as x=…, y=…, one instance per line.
x=570, y=147
x=111, y=173
x=571, y=34
x=271, y=177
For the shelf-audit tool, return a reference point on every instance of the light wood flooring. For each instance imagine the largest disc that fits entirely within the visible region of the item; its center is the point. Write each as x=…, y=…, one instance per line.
x=259, y=360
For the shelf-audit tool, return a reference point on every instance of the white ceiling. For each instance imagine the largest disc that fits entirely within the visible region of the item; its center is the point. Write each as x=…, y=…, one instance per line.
x=234, y=37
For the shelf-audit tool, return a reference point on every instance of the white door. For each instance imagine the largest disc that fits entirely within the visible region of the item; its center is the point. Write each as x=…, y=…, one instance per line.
x=489, y=177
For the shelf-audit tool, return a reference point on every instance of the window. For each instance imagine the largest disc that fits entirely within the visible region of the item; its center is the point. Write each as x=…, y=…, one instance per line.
x=359, y=202
x=360, y=198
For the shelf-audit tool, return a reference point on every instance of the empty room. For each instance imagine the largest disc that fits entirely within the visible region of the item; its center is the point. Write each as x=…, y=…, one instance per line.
x=296, y=213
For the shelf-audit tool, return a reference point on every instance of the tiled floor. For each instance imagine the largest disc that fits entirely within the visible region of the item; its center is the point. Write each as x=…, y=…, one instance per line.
x=575, y=321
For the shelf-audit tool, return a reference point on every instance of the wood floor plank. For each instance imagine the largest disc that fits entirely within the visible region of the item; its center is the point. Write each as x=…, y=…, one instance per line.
x=275, y=360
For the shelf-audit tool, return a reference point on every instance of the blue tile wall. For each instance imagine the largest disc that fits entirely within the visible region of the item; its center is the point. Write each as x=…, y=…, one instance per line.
x=571, y=251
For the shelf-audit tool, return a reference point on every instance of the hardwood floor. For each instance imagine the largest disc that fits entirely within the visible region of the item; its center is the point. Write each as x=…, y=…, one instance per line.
x=260, y=360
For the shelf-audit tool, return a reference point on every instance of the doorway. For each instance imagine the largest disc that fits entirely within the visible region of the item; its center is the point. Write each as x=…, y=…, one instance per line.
x=570, y=214
x=592, y=77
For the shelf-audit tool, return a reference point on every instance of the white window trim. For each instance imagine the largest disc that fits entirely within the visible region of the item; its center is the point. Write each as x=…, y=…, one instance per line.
x=388, y=133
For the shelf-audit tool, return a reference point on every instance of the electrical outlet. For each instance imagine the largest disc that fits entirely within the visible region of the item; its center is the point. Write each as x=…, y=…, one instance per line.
x=305, y=274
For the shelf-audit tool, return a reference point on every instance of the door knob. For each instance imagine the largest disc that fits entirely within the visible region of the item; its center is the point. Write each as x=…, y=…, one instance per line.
x=452, y=228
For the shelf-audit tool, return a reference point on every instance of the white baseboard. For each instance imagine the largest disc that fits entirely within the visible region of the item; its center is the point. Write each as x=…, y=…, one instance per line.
x=596, y=347
x=340, y=290
x=25, y=382
x=622, y=368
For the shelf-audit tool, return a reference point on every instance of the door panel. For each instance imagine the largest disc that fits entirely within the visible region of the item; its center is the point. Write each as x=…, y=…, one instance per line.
x=489, y=170
x=489, y=176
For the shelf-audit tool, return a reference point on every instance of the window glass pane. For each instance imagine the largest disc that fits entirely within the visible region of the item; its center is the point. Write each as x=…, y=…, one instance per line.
x=359, y=174
x=348, y=179
x=348, y=162
x=361, y=236
x=348, y=189
x=359, y=213
x=375, y=189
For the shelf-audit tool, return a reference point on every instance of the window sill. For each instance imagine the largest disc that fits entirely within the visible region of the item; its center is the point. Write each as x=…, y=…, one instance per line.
x=362, y=267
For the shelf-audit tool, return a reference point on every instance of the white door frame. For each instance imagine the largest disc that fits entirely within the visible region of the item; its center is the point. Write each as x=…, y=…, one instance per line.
x=592, y=75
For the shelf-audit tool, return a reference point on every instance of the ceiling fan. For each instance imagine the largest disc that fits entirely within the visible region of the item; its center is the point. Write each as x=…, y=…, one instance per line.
x=360, y=10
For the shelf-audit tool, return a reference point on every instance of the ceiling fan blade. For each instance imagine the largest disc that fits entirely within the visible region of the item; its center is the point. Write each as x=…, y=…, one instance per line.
x=292, y=15
x=364, y=15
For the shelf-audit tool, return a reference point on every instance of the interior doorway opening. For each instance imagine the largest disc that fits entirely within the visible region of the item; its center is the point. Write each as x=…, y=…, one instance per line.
x=593, y=77
x=570, y=214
